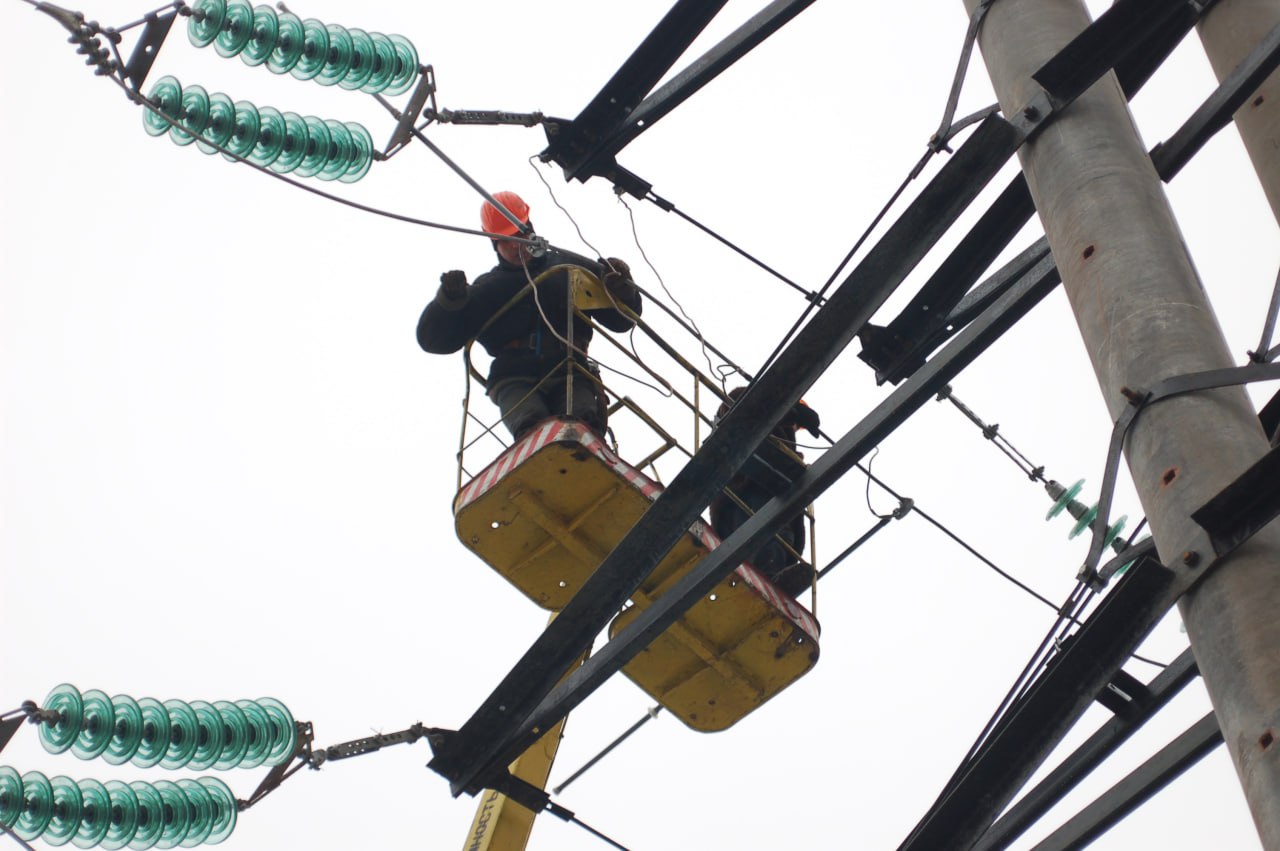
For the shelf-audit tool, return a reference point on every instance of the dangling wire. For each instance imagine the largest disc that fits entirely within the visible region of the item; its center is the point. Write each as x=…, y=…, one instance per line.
x=697, y=332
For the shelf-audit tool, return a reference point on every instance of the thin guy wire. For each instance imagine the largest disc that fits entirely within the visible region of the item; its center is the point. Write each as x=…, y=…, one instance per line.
x=16, y=838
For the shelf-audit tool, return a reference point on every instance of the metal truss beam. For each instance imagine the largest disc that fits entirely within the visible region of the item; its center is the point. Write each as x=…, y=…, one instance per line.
x=1153, y=775
x=586, y=147
x=934, y=314
x=1078, y=765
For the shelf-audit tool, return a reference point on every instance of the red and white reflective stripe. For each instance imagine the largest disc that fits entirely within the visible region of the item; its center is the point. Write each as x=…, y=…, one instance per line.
x=759, y=583
x=544, y=434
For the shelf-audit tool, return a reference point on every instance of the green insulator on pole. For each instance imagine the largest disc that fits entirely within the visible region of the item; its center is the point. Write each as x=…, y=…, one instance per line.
x=224, y=806
x=67, y=805
x=295, y=144
x=317, y=153
x=126, y=730
x=194, y=117
x=270, y=137
x=166, y=94
x=202, y=813
x=150, y=816
x=221, y=124
x=184, y=734
x=362, y=156
x=37, y=806
x=288, y=47
x=284, y=734
x=97, y=724
x=363, y=57
x=262, y=39
x=95, y=814
x=209, y=736
x=176, y=814
x=10, y=796
x=156, y=731
x=205, y=22
x=244, y=132
x=338, y=60
x=235, y=735
x=315, y=50
x=61, y=734
x=406, y=66
x=126, y=811
x=1064, y=499
x=237, y=29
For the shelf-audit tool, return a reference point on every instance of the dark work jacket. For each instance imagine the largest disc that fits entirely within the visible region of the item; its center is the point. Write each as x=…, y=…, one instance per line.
x=446, y=326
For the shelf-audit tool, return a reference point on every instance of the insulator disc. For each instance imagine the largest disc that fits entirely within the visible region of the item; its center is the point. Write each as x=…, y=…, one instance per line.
x=97, y=724
x=315, y=50
x=362, y=158
x=195, y=116
x=406, y=66
x=95, y=814
x=1068, y=495
x=207, y=18
x=295, y=144
x=176, y=815
x=384, y=64
x=262, y=38
x=126, y=730
x=150, y=816
x=10, y=796
x=237, y=29
x=37, y=806
x=209, y=733
x=288, y=47
x=125, y=814
x=337, y=61
x=259, y=746
x=202, y=812
x=244, y=133
x=184, y=734
x=224, y=808
x=363, y=57
x=235, y=735
x=1115, y=530
x=341, y=149
x=67, y=802
x=222, y=122
x=317, y=153
x=271, y=137
x=284, y=735
x=156, y=730
x=1083, y=522
x=65, y=700
x=166, y=94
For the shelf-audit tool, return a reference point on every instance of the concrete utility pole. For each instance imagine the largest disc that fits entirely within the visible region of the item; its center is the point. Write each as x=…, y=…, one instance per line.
x=1144, y=317
x=1229, y=30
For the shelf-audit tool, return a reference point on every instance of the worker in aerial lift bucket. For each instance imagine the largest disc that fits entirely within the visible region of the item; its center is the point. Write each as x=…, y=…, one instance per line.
x=528, y=341
x=766, y=474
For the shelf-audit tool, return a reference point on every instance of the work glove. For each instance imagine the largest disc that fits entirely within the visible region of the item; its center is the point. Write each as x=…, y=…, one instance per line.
x=453, y=285
x=805, y=418
x=617, y=279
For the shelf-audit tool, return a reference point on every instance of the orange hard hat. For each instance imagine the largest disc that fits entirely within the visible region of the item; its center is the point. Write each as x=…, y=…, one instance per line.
x=492, y=221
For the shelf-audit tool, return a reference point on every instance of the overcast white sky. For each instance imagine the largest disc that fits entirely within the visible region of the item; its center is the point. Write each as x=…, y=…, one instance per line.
x=226, y=469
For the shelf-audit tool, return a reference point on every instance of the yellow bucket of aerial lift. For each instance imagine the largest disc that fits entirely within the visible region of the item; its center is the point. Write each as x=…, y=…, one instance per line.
x=546, y=513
